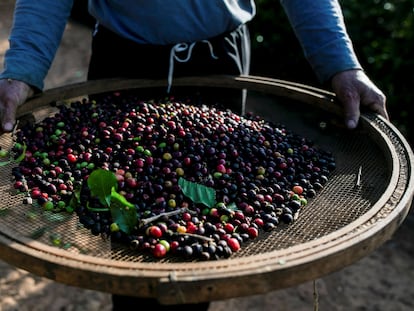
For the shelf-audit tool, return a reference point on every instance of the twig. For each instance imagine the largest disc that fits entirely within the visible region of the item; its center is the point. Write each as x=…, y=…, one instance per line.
x=148, y=220
x=358, y=181
x=315, y=297
x=13, y=133
x=198, y=236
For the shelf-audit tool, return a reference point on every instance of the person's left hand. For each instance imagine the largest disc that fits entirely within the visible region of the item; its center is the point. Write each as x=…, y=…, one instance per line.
x=354, y=89
x=12, y=94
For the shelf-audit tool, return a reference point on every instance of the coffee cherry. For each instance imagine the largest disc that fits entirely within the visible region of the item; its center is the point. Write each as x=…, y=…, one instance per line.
x=253, y=232
x=159, y=250
x=234, y=244
x=154, y=231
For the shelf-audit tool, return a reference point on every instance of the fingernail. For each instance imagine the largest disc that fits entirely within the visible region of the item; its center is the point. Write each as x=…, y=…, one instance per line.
x=8, y=126
x=351, y=124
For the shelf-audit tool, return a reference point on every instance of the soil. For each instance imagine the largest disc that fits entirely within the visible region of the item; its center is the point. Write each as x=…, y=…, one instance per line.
x=382, y=281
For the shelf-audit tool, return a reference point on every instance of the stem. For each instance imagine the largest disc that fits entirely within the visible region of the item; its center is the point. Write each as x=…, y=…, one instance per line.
x=148, y=220
x=103, y=209
x=201, y=237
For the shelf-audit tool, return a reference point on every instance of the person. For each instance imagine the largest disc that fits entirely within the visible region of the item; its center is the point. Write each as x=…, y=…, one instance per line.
x=165, y=39
x=151, y=32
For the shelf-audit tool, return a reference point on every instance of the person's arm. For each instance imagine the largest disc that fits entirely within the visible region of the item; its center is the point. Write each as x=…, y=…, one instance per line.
x=320, y=29
x=36, y=33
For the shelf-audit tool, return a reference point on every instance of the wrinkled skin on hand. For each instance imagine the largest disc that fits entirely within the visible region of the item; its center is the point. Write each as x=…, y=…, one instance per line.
x=355, y=90
x=13, y=93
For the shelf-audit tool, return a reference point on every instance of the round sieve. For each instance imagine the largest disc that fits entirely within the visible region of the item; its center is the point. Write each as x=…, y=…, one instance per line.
x=366, y=199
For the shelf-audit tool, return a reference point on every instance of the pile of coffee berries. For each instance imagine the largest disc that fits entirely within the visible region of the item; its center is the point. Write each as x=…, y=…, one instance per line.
x=262, y=174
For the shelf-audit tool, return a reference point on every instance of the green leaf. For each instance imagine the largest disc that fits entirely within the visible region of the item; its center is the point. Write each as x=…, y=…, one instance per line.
x=38, y=233
x=198, y=193
x=4, y=212
x=57, y=217
x=101, y=182
x=75, y=199
x=21, y=157
x=123, y=213
x=17, y=160
x=92, y=209
x=4, y=163
x=232, y=206
x=97, y=209
x=115, y=196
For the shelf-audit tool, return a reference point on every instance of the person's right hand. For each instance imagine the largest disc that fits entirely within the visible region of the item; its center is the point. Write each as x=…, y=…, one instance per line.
x=354, y=90
x=12, y=94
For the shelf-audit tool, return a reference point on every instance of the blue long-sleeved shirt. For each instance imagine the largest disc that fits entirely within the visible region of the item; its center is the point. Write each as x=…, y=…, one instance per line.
x=38, y=27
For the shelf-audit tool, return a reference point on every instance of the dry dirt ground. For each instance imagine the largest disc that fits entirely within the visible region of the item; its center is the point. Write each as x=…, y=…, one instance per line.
x=382, y=281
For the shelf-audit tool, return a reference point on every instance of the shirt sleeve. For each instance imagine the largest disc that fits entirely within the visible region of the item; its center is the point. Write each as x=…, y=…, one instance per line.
x=35, y=36
x=320, y=29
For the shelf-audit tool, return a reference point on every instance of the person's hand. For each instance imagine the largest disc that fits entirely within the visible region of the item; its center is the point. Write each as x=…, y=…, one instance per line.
x=12, y=94
x=354, y=90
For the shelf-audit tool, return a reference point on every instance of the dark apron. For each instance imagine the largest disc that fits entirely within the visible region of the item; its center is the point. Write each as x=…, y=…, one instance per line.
x=228, y=54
